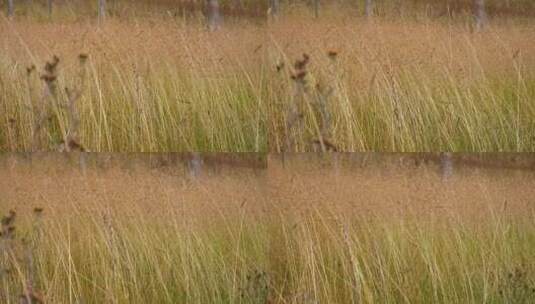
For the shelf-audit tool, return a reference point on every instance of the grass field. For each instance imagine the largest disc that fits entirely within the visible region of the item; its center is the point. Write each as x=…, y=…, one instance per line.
x=370, y=232
x=405, y=85
x=155, y=80
x=148, y=85
x=210, y=182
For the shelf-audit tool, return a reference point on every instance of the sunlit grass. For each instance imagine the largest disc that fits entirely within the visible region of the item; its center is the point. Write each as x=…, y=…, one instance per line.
x=403, y=86
x=126, y=258
x=303, y=235
x=145, y=88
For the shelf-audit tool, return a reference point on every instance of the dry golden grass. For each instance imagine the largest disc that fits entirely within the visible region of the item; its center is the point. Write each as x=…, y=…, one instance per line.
x=162, y=83
x=370, y=229
x=424, y=84
x=131, y=235
x=150, y=85
x=373, y=230
x=139, y=191
x=392, y=185
x=306, y=228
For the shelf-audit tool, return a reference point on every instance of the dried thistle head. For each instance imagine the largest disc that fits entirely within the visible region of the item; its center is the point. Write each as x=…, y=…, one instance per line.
x=280, y=66
x=332, y=54
x=300, y=68
x=50, y=75
x=301, y=64
x=8, y=233
x=30, y=70
x=7, y=220
x=49, y=78
x=83, y=58
x=50, y=66
x=299, y=75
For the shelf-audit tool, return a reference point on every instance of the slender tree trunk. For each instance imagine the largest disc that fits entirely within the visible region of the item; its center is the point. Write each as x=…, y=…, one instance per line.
x=10, y=8
x=195, y=165
x=238, y=5
x=368, y=9
x=50, y=5
x=316, y=8
x=101, y=10
x=83, y=162
x=213, y=15
x=480, y=14
x=336, y=164
x=274, y=7
x=446, y=166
